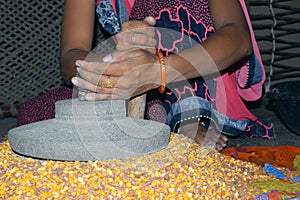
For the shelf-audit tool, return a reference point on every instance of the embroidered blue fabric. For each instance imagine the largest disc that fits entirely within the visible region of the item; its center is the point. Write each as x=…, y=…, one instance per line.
x=109, y=20
x=255, y=74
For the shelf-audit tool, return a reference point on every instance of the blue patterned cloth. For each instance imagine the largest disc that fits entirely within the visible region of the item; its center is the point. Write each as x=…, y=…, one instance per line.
x=110, y=20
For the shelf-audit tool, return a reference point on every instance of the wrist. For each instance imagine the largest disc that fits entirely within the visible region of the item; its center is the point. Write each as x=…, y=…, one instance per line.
x=67, y=63
x=179, y=69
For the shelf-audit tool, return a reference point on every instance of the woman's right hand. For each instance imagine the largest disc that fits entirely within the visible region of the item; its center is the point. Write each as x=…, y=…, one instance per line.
x=125, y=74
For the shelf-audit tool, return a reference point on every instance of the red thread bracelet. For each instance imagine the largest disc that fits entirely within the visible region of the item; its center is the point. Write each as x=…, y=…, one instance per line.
x=162, y=63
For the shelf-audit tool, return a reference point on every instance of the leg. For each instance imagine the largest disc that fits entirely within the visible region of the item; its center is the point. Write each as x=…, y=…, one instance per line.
x=201, y=135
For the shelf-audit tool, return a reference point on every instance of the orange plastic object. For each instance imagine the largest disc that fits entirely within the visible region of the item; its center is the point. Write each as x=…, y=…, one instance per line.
x=162, y=88
x=278, y=156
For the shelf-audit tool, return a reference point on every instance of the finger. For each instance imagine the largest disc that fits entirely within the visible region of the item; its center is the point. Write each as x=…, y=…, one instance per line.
x=99, y=80
x=79, y=82
x=121, y=46
x=150, y=20
x=130, y=40
x=97, y=67
x=89, y=76
x=110, y=93
x=101, y=88
x=102, y=96
x=149, y=49
x=142, y=39
x=102, y=68
x=141, y=35
x=120, y=62
x=137, y=27
x=127, y=46
x=80, y=63
x=94, y=57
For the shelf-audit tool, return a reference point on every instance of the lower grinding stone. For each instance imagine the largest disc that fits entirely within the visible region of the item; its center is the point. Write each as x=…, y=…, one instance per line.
x=101, y=137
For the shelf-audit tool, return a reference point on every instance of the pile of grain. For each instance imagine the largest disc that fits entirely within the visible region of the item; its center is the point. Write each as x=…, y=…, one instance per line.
x=183, y=170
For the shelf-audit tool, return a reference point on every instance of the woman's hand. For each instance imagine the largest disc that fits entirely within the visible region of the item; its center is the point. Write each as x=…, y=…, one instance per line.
x=134, y=39
x=123, y=74
x=137, y=34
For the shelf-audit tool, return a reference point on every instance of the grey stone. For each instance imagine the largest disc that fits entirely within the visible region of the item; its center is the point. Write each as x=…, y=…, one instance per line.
x=75, y=109
x=89, y=131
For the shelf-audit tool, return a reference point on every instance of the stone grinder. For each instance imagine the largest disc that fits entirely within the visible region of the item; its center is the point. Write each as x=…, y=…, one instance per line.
x=83, y=131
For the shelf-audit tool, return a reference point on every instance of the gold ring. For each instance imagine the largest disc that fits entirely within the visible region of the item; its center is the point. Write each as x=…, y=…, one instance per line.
x=108, y=83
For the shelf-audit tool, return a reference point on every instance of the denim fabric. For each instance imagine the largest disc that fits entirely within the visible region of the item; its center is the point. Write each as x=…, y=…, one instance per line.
x=197, y=107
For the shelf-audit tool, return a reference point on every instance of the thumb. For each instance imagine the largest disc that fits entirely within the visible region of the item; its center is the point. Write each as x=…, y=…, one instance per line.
x=150, y=20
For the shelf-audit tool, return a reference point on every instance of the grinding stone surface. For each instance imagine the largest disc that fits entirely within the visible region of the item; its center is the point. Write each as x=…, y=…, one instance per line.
x=75, y=109
x=98, y=138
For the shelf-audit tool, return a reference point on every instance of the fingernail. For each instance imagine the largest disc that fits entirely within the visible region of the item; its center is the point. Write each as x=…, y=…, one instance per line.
x=107, y=58
x=74, y=81
x=78, y=63
x=78, y=69
x=89, y=97
x=150, y=20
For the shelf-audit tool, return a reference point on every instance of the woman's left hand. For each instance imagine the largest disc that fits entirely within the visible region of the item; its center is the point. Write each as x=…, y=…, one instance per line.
x=137, y=34
x=121, y=75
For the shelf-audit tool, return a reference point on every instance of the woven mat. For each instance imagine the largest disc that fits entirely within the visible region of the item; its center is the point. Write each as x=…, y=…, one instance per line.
x=29, y=50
